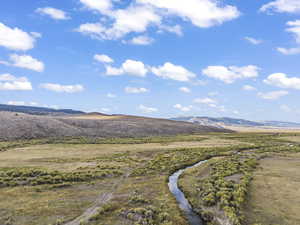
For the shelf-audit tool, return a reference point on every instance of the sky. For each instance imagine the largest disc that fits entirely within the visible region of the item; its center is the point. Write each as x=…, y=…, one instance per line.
x=157, y=58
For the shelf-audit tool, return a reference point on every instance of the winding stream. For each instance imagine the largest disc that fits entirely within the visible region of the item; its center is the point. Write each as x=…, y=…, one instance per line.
x=193, y=218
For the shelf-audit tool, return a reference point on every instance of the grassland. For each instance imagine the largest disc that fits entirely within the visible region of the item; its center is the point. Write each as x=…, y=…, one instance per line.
x=124, y=180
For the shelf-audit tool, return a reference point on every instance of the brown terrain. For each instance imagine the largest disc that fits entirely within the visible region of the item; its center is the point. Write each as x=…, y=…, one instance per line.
x=24, y=126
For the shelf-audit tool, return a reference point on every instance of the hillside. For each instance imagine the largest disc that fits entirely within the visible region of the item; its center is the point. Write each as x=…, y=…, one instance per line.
x=24, y=126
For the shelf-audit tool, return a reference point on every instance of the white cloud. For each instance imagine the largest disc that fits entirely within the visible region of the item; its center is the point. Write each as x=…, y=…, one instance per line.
x=183, y=108
x=56, y=14
x=146, y=109
x=63, y=88
x=139, y=15
x=207, y=101
x=129, y=67
x=294, y=28
x=25, y=61
x=253, y=40
x=248, y=88
x=282, y=6
x=94, y=30
x=36, y=34
x=289, y=51
x=231, y=73
x=9, y=82
x=106, y=110
x=273, y=95
x=135, y=68
x=173, y=72
x=15, y=38
x=103, y=58
x=134, y=19
x=283, y=81
x=112, y=71
x=16, y=103
x=135, y=90
x=202, y=13
x=22, y=103
x=110, y=95
x=185, y=90
x=102, y=6
x=211, y=103
x=141, y=40
x=176, y=29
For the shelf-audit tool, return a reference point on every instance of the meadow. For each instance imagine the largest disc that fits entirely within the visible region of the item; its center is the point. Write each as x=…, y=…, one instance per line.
x=112, y=181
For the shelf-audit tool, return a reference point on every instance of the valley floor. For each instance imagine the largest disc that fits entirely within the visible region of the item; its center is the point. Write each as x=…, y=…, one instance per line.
x=124, y=181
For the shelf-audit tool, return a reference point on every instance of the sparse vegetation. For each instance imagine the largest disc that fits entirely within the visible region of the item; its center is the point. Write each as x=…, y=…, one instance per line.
x=124, y=180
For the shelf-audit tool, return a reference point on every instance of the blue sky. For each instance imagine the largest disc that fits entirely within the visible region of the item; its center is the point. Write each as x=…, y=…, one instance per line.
x=155, y=58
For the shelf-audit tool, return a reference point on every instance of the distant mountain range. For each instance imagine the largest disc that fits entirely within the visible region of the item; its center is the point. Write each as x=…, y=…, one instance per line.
x=223, y=122
x=38, y=110
x=226, y=121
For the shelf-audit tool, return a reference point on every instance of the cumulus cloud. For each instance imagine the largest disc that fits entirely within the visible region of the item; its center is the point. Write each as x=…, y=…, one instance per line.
x=129, y=67
x=134, y=19
x=135, y=90
x=273, y=95
x=63, y=88
x=173, y=72
x=15, y=38
x=248, y=88
x=201, y=13
x=103, y=58
x=183, y=108
x=54, y=13
x=283, y=81
x=185, y=90
x=9, y=82
x=253, y=41
x=141, y=40
x=103, y=6
x=25, y=61
x=146, y=109
x=139, y=15
x=282, y=6
x=232, y=73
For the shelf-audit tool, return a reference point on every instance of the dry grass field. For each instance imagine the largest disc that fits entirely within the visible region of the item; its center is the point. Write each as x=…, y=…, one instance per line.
x=274, y=196
x=122, y=180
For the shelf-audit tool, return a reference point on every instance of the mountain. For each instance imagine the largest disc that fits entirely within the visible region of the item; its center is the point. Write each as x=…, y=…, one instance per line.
x=226, y=121
x=37, y=110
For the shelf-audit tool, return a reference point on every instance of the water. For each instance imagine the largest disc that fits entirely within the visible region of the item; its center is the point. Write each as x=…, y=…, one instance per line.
x=193, y=218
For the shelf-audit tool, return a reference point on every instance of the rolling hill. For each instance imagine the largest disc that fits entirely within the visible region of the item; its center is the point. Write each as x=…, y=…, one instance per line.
x=43, y=122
